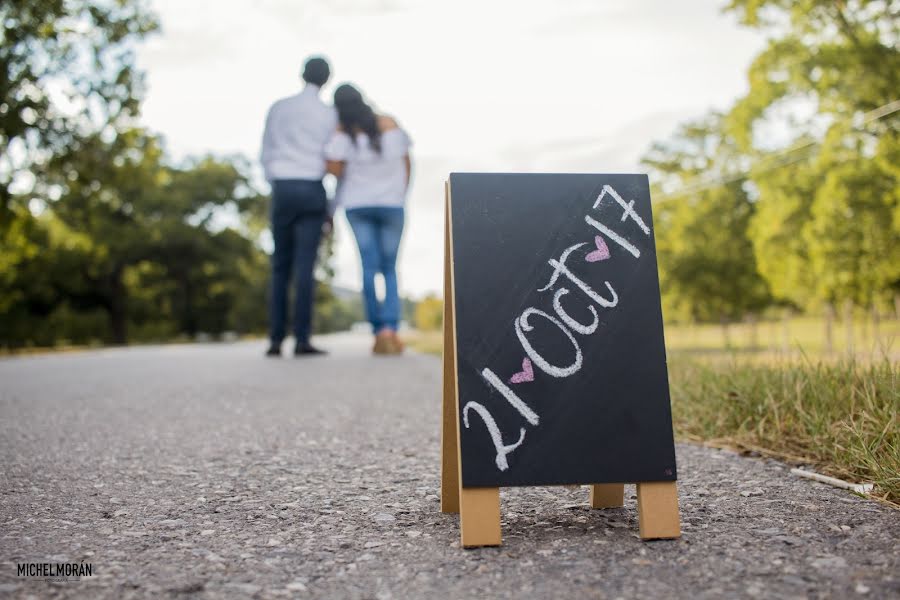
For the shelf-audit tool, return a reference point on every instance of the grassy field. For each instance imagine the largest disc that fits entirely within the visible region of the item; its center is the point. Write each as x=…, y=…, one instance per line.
x=837, y=412
x=796, y=337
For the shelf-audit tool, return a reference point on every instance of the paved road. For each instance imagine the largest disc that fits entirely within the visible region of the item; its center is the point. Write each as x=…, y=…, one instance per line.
x=207, y=471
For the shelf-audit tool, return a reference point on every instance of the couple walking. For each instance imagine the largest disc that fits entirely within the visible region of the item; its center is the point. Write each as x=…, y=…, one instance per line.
x=368, y=153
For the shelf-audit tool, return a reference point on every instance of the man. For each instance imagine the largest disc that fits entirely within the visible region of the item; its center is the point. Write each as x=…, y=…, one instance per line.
x=297, y=129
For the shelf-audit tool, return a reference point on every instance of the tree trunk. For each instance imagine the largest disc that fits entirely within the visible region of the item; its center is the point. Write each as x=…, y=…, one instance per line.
x=190, y=320
x=829, y=328
x=754, y=331
x=848, y=323
x=876, y=325
x=726, y=333
x=118, y=315
x=863, y=330
x=786, y=330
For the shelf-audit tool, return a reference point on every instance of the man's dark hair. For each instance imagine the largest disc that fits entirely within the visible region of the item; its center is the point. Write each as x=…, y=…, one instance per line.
x=316, y=71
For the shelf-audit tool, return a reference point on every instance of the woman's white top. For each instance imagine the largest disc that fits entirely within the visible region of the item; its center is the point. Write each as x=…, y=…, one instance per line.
x=370, y=178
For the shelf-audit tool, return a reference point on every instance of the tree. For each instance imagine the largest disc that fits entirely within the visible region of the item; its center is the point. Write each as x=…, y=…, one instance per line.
x=826, y=226
x=39, y=262
x=208, y=264
x=840, y=56
x=853, y=243
x=108, y=191
x=101, y=238
x=66, y=71
x=153, y=231
x=775, y=230
x=887, y=157
x=707, y=265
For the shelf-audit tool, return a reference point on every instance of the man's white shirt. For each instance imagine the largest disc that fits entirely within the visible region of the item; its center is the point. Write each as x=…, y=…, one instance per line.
x=297, y=129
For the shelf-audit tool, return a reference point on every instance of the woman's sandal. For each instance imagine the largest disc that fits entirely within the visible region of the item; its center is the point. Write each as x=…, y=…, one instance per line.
x=387, y=342
x=383, y=343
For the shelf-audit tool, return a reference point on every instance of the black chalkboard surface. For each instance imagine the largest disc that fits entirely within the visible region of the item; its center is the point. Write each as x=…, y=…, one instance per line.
x=560, y=357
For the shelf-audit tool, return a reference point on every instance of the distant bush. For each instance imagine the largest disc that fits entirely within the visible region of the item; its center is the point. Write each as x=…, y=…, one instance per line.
x=429, y=314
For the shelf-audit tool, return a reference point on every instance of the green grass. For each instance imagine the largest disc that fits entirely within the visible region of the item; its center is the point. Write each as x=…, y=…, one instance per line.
x=840, y=418
x=838, y=412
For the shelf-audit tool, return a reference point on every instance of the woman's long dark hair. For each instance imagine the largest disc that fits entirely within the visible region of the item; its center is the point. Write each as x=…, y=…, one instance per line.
x=355, y=115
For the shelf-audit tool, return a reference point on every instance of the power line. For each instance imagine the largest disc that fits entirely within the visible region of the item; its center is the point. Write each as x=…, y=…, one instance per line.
x=700, y=186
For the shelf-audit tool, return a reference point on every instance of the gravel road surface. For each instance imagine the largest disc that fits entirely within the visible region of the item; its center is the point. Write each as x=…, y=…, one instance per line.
x=208, y=471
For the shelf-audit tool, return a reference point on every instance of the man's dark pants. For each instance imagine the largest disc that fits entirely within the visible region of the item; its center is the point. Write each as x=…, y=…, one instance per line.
x=299, y=208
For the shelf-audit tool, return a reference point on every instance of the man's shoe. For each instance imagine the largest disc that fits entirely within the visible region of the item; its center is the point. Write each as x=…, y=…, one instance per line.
x=274, y=351
x=307, y=350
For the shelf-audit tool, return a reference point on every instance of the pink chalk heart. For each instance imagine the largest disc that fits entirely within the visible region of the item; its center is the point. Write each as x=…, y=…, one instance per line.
x=526, y=374
x=601, y=253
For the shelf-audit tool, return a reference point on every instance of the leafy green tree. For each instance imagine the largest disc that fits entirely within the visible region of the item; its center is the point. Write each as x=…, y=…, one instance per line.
x=100, y=237
x=66, y=71
x=840, y=56
x=205, y=262
x=887, y=158
x=109, y=191
x=38, y=265
x=853, y=243
x=826, y=224
x=775, y=230
x=154, y=232
x=707, y=264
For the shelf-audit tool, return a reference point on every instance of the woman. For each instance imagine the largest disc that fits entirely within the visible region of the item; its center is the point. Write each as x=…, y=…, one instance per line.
x=370, y=156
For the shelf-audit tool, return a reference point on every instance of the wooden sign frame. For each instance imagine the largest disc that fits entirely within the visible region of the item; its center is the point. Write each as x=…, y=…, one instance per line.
x=479, y=507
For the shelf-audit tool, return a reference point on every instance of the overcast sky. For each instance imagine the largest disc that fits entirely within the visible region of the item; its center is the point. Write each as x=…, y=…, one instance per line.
x=487, y=85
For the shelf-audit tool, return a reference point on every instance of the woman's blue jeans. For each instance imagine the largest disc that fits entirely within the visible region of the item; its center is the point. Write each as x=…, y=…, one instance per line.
x=378, y=230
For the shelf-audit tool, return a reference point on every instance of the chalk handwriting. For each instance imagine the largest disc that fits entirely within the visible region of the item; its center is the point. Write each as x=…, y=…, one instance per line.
x=494, y=431
x=629, y=207
x=566, y=324
x=510, y=396
x=559, y=267
x=568, y=320
x=522, y=327
x=613, y=236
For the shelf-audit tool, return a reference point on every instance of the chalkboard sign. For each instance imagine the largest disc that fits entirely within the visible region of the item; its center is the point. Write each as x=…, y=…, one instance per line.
x=560, y=364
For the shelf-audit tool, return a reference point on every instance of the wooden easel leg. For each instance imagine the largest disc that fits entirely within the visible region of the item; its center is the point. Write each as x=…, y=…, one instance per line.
x=658, y=510
x=449, y=462
x=449, y=435
x=479, y=517
x=479, y=508
x=607, y=495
